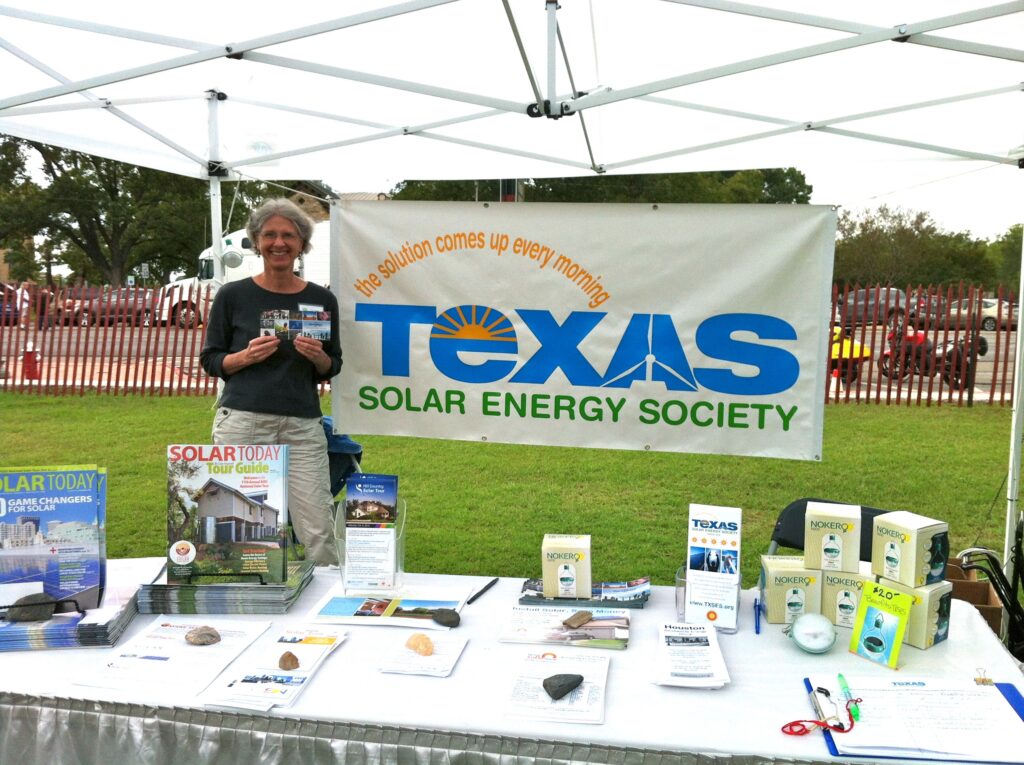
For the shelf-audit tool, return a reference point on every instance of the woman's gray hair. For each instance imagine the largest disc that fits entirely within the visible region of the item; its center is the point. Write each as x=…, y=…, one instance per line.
x=286, y=209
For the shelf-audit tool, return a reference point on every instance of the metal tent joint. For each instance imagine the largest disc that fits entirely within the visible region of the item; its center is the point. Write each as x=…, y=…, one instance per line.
x=216, y=169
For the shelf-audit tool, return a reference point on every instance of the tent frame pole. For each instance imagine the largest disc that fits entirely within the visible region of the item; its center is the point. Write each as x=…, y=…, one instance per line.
x=1016, y=434
x=215, y=171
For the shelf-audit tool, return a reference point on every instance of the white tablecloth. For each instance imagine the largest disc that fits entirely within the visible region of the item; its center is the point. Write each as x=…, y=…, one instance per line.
x=353, y=711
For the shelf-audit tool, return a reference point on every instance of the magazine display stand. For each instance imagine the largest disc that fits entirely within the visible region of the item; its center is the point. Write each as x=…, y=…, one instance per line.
x=369, y=559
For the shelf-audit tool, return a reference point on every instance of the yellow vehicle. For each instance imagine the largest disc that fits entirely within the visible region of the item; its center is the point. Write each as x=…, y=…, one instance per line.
x=846, y=356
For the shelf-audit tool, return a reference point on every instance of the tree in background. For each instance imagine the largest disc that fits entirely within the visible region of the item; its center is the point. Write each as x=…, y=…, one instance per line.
x=774, y=186
x=894, y=246
x=104, y=218
x=1004, y=254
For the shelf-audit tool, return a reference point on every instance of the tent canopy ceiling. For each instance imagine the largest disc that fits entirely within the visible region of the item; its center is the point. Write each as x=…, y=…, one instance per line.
x=435, y=89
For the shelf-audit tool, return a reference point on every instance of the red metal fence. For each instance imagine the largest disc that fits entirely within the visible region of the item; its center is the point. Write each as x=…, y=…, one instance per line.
x=891, y=346
x=109, y=341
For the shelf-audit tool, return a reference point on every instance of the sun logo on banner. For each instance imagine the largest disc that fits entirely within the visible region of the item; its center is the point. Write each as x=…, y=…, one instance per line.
x=474, y=322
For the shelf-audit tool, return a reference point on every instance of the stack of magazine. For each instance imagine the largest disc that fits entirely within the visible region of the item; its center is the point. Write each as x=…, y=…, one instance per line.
x=98, y=627
x=227, y=598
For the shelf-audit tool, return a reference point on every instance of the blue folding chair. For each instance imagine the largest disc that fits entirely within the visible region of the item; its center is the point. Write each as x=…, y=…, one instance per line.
x=343, y=454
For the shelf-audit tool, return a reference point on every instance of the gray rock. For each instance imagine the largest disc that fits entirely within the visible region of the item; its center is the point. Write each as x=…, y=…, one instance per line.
x=447, y=617
x=559, y=685
x=202, y=636
x=37, y=607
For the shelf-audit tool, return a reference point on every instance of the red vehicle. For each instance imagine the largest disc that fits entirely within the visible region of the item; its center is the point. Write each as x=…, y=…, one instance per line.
x=127, y=304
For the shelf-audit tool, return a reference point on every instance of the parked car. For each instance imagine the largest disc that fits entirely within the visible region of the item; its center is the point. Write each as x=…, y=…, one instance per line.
x=8, y=306
x=994, y=311
x=874, y=305
x=129, y=304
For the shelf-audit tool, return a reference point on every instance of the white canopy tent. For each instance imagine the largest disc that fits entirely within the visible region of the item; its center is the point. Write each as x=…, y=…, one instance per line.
x=436, y=89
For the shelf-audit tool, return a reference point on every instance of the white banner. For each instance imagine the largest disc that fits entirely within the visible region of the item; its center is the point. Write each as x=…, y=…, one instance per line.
x=683, y=328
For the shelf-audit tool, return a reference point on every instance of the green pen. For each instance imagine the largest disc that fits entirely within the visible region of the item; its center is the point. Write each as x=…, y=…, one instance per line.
x=854, y=709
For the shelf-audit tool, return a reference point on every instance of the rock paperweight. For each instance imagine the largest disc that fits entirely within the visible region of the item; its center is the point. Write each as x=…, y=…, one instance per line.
x=446, y=617
x=288, y=661
x=421, y=644
x=558, y=686
x=578, y=619
x=202, y=636
x=37, y=607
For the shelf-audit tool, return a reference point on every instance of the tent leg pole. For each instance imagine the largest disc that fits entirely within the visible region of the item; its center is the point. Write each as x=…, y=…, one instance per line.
x=1016, y=431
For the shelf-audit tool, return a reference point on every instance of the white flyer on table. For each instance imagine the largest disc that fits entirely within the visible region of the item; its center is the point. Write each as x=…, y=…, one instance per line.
x=257, y=679
x=447, y=648
x=585, y=704
x=161, y=657
x=689, y=656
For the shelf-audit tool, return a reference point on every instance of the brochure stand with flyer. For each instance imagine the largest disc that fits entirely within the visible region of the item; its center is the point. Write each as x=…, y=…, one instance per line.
x=713, y=566
x=369, y=532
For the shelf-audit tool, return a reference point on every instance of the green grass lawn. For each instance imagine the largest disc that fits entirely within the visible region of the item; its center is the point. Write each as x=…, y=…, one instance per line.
x=484, y=508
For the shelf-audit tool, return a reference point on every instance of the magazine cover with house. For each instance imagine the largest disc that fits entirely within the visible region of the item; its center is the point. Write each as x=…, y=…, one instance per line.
x=52, y=534
x=227, y=513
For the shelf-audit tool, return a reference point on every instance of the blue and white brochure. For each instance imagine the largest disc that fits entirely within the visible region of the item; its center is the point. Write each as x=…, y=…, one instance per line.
x=370, y=548
x=713, y=566
x=52, y=535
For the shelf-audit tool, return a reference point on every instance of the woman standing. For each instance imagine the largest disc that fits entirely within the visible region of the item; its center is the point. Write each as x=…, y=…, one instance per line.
x=270, y=393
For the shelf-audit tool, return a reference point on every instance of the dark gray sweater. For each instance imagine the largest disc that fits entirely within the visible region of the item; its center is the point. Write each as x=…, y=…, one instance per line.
x=285, y=383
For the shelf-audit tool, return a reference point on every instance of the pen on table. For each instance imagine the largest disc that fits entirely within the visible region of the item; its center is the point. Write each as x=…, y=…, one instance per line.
x=482, y=590
x=854, y=709
x=757, y=617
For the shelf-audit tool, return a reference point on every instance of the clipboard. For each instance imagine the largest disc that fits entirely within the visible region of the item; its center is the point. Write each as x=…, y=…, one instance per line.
x=1009, y=692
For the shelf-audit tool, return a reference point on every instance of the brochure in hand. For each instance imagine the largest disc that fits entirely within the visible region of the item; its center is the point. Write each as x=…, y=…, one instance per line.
x=607, y=628
x=53, y=533
x=287, y=325
x=227, y=513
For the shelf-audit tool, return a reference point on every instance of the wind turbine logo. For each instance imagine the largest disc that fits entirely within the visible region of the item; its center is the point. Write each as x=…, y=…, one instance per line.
x=668, y=366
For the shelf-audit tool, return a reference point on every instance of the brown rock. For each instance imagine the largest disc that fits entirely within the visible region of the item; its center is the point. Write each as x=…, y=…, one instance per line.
x=578, y=619
x=288, y=661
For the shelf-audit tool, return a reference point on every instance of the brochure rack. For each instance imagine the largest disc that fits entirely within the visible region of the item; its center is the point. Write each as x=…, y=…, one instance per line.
x=386, y=554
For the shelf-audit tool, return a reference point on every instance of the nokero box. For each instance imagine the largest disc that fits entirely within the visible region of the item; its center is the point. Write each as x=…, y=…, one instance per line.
x=929, y=613
x=909, y=548
x=840, y=594
x=788, y=589
x=832, y=537
x=565, y=565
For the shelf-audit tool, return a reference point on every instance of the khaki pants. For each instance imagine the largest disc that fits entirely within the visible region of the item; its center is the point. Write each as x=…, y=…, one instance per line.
x=309, y=496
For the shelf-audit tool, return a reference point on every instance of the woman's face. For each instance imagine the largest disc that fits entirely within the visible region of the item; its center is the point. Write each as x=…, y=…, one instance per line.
x=280, y=244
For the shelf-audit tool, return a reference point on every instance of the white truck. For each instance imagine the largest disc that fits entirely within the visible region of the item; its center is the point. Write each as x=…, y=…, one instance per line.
x=184, y=300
